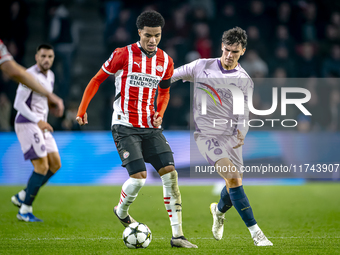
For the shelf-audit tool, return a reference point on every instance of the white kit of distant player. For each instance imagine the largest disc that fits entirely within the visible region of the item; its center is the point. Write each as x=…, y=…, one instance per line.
x=33, y=107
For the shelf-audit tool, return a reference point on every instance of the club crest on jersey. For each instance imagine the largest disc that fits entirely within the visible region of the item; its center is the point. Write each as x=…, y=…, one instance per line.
x=126, y=154
x=218, y=151
x=159, y=68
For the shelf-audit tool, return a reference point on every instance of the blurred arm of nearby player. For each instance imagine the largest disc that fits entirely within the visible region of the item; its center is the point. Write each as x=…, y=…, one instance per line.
x=90, y=91
x=19, y=74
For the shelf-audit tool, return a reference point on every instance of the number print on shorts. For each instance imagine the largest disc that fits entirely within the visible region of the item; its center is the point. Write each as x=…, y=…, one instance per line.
x=209, y=145
x=210, y=142
x=215, y=142
x=36, y=138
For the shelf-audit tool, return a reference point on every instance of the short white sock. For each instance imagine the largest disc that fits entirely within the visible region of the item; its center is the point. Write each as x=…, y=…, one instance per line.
x=128, y=194
x=253, y=229
x=22, y=195
x=26, y=209
x=177, y=230
x=218, y=212
x=172, y=202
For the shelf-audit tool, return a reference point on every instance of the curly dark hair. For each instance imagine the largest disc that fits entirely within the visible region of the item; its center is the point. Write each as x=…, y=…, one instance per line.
x=235, y=35
x=150, y=19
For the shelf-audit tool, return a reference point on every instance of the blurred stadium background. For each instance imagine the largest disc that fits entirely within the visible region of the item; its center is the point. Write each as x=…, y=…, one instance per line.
x=286, y=39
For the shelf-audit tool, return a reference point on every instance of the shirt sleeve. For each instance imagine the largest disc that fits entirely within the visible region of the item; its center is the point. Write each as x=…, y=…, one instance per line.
x=23, y=93
x=90, y=91
x=115, y=61
x=169, y=70
x=185, y=72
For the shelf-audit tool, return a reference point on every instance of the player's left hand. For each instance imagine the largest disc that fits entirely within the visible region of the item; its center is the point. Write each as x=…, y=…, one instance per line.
x=240, y=139
x=157, y=120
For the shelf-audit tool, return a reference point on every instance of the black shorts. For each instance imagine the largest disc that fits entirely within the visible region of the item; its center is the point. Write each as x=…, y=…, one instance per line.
x=139, y=143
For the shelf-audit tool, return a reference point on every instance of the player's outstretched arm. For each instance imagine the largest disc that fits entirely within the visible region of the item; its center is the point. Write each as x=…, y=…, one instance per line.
x=90, y=91
x=19, y=74
x=185, y=72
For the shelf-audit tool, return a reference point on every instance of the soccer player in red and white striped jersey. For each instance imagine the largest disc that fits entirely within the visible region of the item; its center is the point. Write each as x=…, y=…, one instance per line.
x=137, y=77
x=140, y=69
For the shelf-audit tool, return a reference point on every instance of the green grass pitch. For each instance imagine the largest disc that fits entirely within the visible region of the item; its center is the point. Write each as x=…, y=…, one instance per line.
x=79, y=220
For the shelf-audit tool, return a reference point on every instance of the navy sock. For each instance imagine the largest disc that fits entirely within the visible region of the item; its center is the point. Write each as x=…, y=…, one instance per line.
x=46, y=178
x=225, y=203
x=241, y=203
x=33, y=185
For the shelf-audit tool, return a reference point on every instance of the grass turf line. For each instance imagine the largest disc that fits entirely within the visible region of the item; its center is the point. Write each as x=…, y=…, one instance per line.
x=79, y=220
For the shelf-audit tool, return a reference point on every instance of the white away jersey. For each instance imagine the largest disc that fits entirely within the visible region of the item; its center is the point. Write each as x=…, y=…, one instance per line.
x=30, y=105
x=206, y=74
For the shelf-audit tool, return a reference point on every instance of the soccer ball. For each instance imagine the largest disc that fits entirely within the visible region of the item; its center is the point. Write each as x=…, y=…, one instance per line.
x=137, y=235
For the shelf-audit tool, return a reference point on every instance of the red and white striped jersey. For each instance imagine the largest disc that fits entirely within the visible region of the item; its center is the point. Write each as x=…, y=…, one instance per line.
x=4, y=54
x=137, y=77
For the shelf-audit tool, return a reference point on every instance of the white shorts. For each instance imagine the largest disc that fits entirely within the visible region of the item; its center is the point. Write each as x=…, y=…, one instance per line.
x=34, y=143
x=214, y=148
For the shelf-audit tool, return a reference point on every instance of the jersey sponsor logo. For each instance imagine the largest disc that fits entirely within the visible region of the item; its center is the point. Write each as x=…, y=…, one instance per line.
x=159, y=68
x=144, y=80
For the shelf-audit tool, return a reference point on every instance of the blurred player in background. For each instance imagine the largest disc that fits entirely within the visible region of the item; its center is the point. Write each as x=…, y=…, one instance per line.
x=221, y=145
x=140, y=70
x=34, y=133
x=19, y=74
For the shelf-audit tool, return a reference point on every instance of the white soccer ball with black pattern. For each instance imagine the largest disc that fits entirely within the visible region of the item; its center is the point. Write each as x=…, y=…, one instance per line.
x=137, y=235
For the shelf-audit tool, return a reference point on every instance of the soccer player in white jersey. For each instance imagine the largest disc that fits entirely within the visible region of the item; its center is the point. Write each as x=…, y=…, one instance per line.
x=19, y=74
x=140, y=70
x=220, y=144
x=34, y=133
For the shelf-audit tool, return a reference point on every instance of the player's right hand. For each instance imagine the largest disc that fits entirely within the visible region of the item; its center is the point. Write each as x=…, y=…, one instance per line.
x=82, y=120
x=44, y=126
